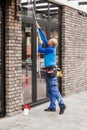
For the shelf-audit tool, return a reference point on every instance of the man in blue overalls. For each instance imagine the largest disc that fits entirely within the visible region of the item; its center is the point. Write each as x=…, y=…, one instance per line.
x=50, y=65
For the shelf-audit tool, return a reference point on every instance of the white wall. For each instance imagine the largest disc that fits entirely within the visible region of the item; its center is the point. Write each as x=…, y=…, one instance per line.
x=72, y=3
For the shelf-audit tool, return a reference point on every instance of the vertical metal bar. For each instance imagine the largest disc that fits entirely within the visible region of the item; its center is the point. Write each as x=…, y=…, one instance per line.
x=60, y=46
x=48, y=27
x=34, y=66
x=34, y=63
x=3, y=111
x=48, y=11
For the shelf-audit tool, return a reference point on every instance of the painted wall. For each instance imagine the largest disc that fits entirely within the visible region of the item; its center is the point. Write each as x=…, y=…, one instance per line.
x=72, y=3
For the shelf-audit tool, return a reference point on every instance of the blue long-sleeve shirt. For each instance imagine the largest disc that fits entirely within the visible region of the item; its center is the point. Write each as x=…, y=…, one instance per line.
x=49, y=52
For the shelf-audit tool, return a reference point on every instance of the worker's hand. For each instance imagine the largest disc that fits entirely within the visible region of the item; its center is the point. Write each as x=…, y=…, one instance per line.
x=37, y=25
x=40, y=41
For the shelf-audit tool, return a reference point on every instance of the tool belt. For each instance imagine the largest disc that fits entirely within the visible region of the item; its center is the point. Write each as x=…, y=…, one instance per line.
x=51, y=71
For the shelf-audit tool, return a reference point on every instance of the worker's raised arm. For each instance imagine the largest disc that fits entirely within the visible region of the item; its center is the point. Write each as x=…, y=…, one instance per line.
x=37, y=25
x=42, y=35
x=39, y=38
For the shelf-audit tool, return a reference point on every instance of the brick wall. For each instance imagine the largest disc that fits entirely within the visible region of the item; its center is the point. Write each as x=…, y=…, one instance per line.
x=13, y=62
x=74, y=51
x=74, y=56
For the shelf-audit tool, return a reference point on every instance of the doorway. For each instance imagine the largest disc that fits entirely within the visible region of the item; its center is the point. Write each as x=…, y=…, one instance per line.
x=34, y=86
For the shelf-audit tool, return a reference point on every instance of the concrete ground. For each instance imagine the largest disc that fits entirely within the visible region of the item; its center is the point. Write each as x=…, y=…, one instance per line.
x=74, y=118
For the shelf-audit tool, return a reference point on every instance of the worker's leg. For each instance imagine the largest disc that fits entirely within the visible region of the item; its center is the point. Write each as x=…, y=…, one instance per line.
x=55, y=91
x=52, y=98
x=56, y=94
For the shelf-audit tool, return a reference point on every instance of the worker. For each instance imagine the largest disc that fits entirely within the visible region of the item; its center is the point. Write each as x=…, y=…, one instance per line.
x=51, y=71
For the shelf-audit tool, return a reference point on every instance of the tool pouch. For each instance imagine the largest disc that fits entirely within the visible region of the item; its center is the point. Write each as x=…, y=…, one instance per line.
x=51, y=72
x=59, y=72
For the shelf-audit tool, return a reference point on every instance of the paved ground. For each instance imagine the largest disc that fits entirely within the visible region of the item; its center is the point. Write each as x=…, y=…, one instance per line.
x=74, y=118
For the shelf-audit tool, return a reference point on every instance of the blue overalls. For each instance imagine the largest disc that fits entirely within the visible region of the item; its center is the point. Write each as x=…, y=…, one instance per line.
x=50, y=60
